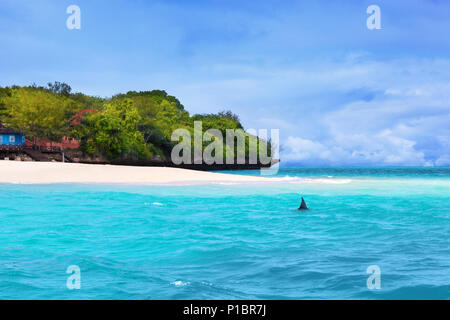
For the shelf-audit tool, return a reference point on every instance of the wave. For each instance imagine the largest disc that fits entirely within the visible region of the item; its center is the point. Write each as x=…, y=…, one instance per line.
x=315, y=180
x=179, y=283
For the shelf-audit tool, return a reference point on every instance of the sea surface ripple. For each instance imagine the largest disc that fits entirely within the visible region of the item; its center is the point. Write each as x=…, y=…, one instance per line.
x=232, y=241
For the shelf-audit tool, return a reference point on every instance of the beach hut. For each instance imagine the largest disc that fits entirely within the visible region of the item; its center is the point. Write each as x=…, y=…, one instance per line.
x=11, y=138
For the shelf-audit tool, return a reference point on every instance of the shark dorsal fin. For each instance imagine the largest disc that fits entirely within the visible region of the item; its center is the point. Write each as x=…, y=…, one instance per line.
x=303, y=205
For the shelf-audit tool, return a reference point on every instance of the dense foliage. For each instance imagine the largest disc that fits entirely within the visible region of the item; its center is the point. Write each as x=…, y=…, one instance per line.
x=135, y=125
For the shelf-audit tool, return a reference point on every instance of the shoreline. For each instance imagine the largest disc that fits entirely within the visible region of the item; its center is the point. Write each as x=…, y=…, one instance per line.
x=17, y=172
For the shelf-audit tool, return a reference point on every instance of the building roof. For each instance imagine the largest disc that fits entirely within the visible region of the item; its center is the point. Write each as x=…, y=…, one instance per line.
x=9, y=131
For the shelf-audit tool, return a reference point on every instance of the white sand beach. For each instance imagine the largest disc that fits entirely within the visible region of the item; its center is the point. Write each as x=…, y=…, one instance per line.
x=57, y=172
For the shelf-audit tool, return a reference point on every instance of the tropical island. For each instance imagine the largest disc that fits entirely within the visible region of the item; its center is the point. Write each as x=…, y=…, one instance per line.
x=54, y=124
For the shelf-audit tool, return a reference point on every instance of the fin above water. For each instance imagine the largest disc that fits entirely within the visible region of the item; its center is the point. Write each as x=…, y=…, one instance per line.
x=303, y=205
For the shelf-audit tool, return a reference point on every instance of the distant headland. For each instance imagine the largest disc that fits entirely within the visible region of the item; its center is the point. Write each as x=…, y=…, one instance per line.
x=137, y=128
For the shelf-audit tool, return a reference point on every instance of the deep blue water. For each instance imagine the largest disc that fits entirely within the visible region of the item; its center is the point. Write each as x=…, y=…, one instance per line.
x=232, y=241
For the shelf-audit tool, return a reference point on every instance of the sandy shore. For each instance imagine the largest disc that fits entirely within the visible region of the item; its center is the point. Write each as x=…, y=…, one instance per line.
x=57, y=172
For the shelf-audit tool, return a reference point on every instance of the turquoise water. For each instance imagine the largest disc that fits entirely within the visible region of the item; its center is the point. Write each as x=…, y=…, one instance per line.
x=242, y=241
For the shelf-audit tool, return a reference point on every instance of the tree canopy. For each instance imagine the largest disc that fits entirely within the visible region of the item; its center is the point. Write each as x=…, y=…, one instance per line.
x=114, y=131
x=37, y=113
x=135, y=125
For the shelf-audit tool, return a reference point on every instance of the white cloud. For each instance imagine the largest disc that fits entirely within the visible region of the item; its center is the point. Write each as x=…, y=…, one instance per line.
x=350, y=112
x=381, y=149
x=326, y=118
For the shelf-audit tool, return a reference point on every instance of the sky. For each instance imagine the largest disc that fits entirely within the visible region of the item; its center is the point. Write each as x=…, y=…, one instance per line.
x=340, y=94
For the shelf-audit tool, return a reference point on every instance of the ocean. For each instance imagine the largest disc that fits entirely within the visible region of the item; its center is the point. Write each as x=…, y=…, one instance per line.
x=232, y=241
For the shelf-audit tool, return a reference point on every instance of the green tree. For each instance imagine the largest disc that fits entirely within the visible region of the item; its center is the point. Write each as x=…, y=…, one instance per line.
x=59, y=88
x=5, y=93
x=38, y=113
x=131, y=125
x=113, y=132
x=160, y=115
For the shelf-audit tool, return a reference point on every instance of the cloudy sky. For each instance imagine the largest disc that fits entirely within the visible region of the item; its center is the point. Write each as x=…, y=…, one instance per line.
x=340, y=94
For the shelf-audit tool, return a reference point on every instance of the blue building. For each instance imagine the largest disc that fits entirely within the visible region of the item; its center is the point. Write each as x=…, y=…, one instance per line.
x=10, y=137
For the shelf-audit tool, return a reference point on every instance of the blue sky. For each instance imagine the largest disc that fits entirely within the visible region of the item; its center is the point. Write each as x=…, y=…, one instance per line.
x=339, y=93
